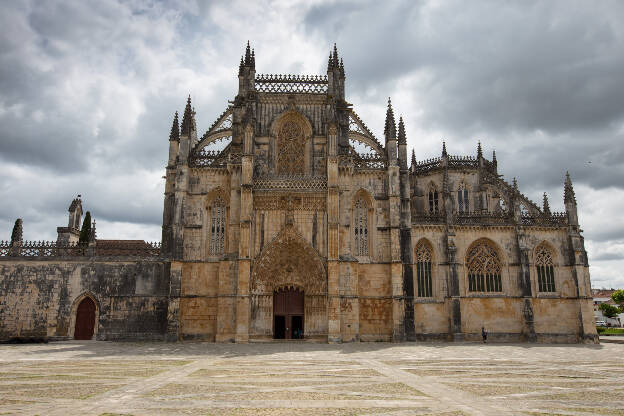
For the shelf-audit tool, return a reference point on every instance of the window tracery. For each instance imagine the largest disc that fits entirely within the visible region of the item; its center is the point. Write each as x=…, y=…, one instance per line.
x=463, y=207
x=545, y=269
x=484, y=268
x=217, y=227
x=423, y=270
x=433, y=201
x=360, y=219
x=291, y=149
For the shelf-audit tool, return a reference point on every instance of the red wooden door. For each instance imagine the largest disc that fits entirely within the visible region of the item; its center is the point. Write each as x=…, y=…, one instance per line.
x=85, y=319
x=288, y=304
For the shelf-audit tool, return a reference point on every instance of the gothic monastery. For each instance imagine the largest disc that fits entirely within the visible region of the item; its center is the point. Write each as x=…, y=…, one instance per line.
x=289, y=219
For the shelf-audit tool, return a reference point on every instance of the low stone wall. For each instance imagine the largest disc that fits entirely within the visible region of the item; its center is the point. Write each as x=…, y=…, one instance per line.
x=39, y=297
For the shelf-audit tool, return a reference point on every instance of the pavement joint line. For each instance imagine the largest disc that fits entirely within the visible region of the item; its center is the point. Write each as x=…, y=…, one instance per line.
x=100, y=403
x=458, y=399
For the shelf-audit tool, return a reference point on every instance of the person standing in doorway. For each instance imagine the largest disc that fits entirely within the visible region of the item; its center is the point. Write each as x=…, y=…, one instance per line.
x=484, y=334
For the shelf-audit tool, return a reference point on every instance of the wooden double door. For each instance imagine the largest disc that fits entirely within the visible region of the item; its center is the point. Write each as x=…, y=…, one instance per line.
x=85, y=319
x=288, y=316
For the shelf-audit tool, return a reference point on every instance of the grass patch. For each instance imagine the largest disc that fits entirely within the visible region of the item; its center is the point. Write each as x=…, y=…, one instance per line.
x=609, y=331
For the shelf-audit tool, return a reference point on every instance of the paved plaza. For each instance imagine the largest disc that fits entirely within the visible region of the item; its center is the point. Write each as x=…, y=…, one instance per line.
x=105, y=378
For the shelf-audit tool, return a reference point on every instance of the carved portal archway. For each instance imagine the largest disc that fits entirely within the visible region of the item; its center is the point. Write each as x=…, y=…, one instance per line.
x=289, y=261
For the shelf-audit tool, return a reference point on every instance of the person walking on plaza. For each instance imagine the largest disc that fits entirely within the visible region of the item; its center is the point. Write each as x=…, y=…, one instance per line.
x=484, y=334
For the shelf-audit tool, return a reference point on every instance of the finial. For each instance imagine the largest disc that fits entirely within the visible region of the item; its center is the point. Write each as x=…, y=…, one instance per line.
x=568, y=190
x=479, y=150
x=515, y=183
x=546, y=208
x=329, y=62
x=402, y=137
x=494, y=157
x=390, y=127
x=413, y=158
x=175, y=130
x=444, y=154
x=335, y=55
x=341, y=68
x=253, y=59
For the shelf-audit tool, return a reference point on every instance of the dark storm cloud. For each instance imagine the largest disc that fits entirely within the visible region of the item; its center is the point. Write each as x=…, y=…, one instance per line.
x=88, y=91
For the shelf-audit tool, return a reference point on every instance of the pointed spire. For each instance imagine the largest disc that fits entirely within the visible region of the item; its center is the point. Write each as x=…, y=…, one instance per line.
x=413, y=158
x=335, y=58
x=546, y=208
x=329, y=62
x=253, y=59
x=247, y=54
x=494, y=157
x=402, y=138
x=175, y=129
x=187, y=124
x=390, y=128
x=479, y=150
x=515, y=183
x=444, y=154
x=342, y=73
x=568, y=190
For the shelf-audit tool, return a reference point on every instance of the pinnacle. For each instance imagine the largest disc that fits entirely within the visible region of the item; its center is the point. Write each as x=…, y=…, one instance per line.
x=247, y=54
x=187, y=125
x=444, y=149
x=175, y=129
x=413, y=158
x=515, y=183
x=335, y=55
x=402, y=137
x=546, y=208
x=479, y=150
x=568, y=190
x=390, y=127
x=494, y=156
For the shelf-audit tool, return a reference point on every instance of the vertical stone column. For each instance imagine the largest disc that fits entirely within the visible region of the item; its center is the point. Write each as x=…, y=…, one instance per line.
x=396, y=266
x=524, y=283
x=333, y=240
x=453, y=287
x=244, y=247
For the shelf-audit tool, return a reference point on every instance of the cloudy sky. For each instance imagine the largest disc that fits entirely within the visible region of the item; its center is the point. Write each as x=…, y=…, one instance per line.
x=88, y=91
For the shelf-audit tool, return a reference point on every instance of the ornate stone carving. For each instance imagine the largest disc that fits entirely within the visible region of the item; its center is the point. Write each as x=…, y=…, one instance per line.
x=289, y=260
x=295, y=202
x=291, y=143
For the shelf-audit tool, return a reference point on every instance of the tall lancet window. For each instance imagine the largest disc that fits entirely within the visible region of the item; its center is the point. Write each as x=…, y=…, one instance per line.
x=217, y=226
x=423, y=270
x=463, y=207
x=545, y=269
x=433, y=201
x=484, y=268
x=360, y=220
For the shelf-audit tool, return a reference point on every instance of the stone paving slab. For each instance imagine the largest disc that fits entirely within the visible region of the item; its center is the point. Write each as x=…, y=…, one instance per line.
x=105, y=378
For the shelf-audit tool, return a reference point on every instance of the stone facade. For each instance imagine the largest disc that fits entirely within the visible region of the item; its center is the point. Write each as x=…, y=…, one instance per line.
x=290, y=189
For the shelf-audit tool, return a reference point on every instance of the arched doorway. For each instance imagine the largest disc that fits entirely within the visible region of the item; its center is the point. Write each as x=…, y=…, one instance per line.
x=85, y=319
x=288, y=313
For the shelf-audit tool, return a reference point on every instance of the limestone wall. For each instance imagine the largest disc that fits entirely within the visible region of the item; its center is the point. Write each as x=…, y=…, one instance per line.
x=39, y=298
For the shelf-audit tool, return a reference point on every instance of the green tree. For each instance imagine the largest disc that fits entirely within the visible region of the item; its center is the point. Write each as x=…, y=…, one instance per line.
x=609, y=311
x=85, y=232
x=618, y=298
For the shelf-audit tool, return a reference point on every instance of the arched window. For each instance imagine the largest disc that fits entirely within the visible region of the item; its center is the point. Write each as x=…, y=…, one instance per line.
x=463, y=207
x=545, y=269
x=217, y=226
x=423, y=270
x=484, y=268
x=433, y=201
x=360, y=223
